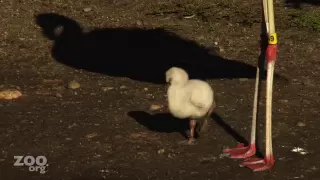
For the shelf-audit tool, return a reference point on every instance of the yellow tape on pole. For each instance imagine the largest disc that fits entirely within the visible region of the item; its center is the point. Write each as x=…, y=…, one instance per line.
x=273, y=39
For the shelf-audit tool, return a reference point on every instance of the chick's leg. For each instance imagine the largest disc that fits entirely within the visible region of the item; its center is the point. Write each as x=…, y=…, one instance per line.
x=192, y=130
x=191, y=140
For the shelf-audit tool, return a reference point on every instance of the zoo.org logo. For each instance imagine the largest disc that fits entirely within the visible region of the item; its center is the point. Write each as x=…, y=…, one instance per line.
x=35, y=164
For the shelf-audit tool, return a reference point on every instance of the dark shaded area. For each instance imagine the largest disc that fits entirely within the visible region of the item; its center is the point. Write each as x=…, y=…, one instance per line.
x=160, y=122
x=138, y=54
x=233, y=133
x=298, y=3
x=228, y=129
x=165, y=122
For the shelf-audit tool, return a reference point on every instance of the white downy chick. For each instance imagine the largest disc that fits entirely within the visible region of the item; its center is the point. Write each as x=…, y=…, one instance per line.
x=192, y=99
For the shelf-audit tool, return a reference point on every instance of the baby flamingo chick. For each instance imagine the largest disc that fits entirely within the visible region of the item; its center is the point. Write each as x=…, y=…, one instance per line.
x=189, y=99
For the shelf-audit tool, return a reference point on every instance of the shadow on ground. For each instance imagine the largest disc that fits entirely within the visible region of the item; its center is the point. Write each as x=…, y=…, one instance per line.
x=234, y=134
x=160, y=122
x=165, y=122
x=139, y=54
x=228, y=129
x=298, y=3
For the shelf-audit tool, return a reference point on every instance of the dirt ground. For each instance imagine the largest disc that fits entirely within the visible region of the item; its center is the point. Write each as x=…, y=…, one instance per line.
x=118, y=52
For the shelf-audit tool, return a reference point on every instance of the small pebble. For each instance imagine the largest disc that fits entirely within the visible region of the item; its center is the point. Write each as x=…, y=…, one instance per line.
x=97, y=156
x=243, y=79
x=283, y=101
x=105, y=89
x=208, y=159
x=139, y=23
x=10, y=94
x=92, y=135
x=145, y=89
x=123, y=86
x=154, y=107
x=58, y=95
x=301, y=124
x=161, y=151
x=201, y=38
x=88, y=9
x=223, y=155
x=73, y=85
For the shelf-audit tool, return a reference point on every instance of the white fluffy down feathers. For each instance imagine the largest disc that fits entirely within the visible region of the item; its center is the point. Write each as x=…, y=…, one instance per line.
x=188, y=98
